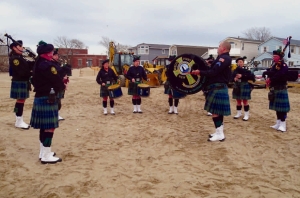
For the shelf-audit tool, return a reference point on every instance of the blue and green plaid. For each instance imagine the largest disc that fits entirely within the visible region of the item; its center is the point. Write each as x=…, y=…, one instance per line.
x=217, y=100
x=19, y=90
x=245, y=91
x=281, y=102
x=133, y=88
x=44, y=115
x=61, y=94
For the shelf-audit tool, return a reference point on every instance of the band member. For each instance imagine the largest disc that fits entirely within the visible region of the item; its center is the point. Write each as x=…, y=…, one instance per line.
x=278, y=95
x=44, y=116
x=217, y=99
x=241, y=88
x=62, y=71
x=209, y=61
x=135, y=74
x=106, y=77
x=20, y=70
x=169, y=91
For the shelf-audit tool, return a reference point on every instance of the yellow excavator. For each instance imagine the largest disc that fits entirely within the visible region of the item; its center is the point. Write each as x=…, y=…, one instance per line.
x=121, y=61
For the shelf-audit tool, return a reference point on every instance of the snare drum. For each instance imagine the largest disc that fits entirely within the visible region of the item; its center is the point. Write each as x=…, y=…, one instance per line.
x=143, y=90
x=177, y=95
x=115, y=91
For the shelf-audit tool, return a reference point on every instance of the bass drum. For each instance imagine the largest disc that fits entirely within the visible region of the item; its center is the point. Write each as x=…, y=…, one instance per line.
x=180, y=77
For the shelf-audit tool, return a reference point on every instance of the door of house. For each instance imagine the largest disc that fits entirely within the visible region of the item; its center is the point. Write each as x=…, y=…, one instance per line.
x=89, y=63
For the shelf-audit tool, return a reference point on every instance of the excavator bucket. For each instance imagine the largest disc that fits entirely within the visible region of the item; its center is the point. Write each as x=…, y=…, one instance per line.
x=153, y=80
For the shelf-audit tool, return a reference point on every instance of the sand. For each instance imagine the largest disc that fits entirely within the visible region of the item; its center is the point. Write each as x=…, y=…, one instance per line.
x=153, y=154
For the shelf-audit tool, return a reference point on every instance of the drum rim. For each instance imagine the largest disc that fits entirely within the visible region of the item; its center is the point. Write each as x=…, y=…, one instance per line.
x=111, y=87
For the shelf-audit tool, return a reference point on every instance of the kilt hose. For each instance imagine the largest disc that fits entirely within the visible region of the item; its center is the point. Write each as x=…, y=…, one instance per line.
x=281, y=102
x=217, y=99
x=19, y=90
x=44, y=115
x=245, y=93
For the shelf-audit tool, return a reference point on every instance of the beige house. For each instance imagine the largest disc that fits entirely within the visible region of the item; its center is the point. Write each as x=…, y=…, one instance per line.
x=239, y=47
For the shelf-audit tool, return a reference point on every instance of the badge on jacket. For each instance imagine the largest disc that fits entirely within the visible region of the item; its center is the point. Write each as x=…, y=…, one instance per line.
x=53, y=70
x=16, y=62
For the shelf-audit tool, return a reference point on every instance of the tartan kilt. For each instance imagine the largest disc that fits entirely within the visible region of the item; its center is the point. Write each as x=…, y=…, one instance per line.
x=217, y=100
x=61, y=94
x=167, y=88
x=133, y=88
x=281, y=102
x=44, y=115
x=246, y=90
x=19, y=90
x=104, y=91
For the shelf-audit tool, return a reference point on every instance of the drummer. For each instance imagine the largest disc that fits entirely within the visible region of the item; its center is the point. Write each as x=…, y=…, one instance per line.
x=135, y=75
x=169, y=91
x=106, y=76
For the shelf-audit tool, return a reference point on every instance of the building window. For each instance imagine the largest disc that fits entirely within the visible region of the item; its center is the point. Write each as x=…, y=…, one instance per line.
x=291, y=63
x=174, y=52
x=265, y=49
x=232, y=44
x=143, y=49
x=100, y=61
x=79, y=62
x=280, y=47
x=163, y=51
x=142, y=62
x=292, y=49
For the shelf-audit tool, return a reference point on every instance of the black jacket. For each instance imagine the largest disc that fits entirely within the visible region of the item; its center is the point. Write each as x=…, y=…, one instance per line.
x=220, y=71
x=104, y=76
x=45, y=77
x=246, y=74
x=20, y=68
x=278, y=77
x=136, y=72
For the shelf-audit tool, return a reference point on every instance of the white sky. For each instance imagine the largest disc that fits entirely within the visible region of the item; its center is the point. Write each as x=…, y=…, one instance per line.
x=189, y=22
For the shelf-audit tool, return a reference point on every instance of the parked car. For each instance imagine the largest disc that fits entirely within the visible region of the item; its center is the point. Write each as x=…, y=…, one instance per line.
x=258, y=75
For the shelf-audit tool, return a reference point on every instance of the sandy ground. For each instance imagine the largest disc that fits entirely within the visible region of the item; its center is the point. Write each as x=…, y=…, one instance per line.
x=153, y=154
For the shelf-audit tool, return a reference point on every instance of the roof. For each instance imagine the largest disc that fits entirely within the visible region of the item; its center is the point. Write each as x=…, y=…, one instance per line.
x=151, y=45
x=160, y=57
x=244, y=39
x=193, y=46
x=293, y=41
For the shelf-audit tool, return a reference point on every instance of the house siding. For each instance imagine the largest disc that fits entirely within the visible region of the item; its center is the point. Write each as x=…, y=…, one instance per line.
x=273, y=44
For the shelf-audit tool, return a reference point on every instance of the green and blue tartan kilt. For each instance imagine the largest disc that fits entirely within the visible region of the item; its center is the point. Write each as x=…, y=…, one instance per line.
x=245, y=91
x=44, y=115
x=19, y=90
x=281, y=102
x=133, y=88
x=167, y=88
x=104, y=91
x=217, y=100
x=61, y=94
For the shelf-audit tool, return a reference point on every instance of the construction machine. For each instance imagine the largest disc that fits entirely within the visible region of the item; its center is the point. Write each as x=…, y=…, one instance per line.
x=121, y=61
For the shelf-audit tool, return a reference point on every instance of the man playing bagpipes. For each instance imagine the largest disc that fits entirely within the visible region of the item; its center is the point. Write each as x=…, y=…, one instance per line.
x=20, y=70
x=63, y=72
x=278, y=95
x=242, y=88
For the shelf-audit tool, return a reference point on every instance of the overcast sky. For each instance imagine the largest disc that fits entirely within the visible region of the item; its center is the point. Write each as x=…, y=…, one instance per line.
x=130, y=22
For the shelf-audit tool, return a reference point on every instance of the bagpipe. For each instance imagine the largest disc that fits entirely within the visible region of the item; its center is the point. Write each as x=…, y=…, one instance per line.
x=290, y=75
x=28, y=55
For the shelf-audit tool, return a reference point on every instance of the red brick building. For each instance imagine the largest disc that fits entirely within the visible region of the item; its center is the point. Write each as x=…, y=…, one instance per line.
x=80, y=58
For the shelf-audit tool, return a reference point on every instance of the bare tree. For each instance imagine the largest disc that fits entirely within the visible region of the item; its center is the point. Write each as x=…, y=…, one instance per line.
x=3, y=54
x=258, y=33
x=69, y=44
x=119, y=47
